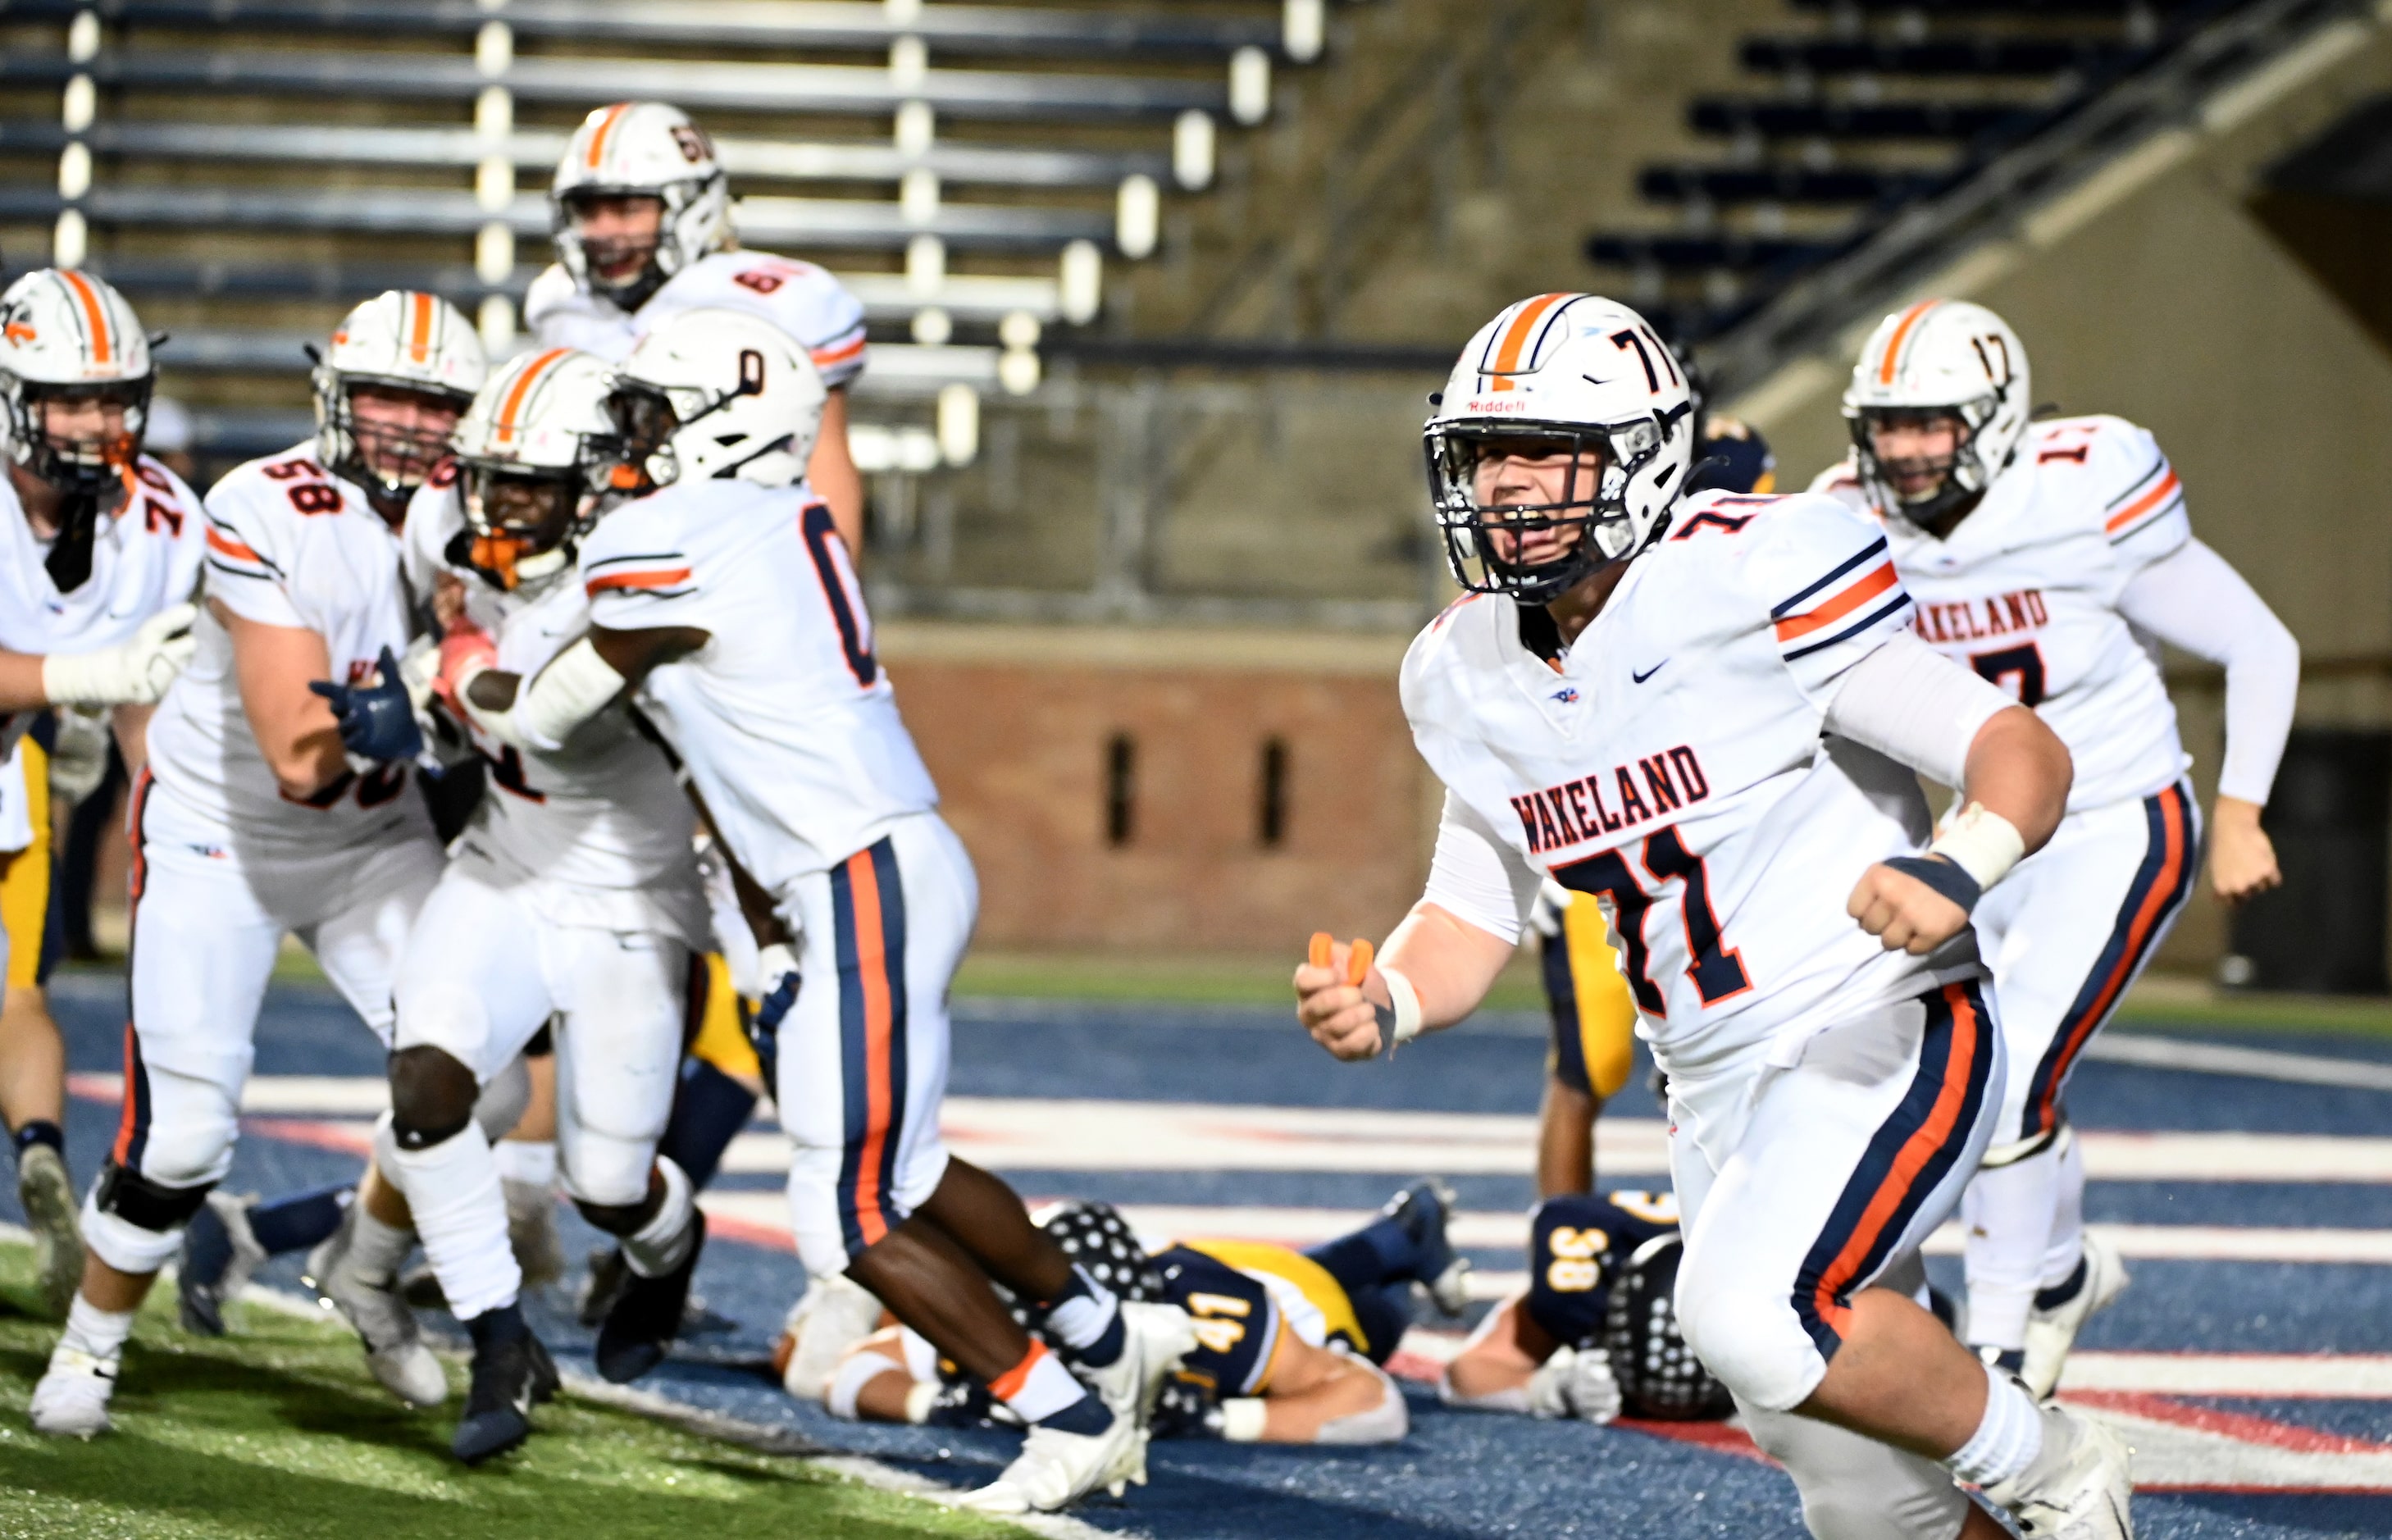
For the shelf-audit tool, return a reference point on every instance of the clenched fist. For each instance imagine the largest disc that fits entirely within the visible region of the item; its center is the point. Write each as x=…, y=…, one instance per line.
x=1905, y=913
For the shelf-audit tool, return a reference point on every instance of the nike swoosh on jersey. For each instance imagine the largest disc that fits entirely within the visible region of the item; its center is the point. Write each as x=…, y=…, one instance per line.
x=1648, y=673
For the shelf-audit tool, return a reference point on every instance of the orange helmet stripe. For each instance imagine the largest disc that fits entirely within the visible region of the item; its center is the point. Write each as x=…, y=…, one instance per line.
x=1515, y=337
x=1893, y=360
x=103, y=341
x=419, y=332
x=599, y=136
x=509, y=408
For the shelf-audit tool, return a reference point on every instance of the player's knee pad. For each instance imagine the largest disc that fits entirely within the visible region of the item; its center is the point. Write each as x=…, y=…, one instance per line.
x=1744, y=1330
x=1854, y=1488
x=149, y=1204
x=602, y=1171
x=500, y=1105
x=432, y=1096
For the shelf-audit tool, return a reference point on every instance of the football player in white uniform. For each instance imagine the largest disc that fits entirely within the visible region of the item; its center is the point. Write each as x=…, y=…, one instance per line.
x=99, y=551
x=250, y=823
x=725, y=599
x=572, y=896
x=643, y=221
x=1708, y=711
x=2048, y=556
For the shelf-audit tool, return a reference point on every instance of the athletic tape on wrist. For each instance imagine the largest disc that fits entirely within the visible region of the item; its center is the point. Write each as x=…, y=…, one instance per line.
x=1945, y=877
x=1400, y=1022
x=1242, y=1419
x=1980, y=842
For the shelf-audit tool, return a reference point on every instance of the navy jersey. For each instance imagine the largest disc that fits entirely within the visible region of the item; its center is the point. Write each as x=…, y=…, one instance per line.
x=1578, y=1242
x=1242, y=1296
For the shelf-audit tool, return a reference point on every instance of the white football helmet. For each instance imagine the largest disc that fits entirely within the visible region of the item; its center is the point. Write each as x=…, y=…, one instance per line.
x=1939, y=357
x=401, y=340
x=641, y=149
x=538, y=460
x=1577, y=373
x=718, y=395
x=66, y=334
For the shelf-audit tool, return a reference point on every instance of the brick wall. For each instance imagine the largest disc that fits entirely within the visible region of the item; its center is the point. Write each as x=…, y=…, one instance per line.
x=1020, y=726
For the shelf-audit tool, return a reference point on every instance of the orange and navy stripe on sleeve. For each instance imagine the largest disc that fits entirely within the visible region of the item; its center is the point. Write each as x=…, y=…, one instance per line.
x=840, y=359
x=2156, y=494
x=868, y=923
x=655, y=574
x=1861, y=592
x=235, y=557
x=2162, y=885
x=1910, y=1156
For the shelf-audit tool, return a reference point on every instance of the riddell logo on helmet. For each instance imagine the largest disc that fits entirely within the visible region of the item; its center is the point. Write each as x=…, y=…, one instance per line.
x=1498, y=403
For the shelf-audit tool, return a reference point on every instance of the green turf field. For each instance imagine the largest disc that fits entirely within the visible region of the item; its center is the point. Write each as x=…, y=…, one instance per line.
x=280, y=1432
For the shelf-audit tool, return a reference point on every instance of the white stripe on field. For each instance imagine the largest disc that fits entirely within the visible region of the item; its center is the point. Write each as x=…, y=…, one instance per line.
x=2261, y=1063
x=1042, y=1134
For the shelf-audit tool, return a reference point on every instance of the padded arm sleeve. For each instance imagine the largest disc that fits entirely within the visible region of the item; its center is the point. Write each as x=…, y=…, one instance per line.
x=576, y=686
x=1476, y=877
x=1915, y=706
x=2193, y=600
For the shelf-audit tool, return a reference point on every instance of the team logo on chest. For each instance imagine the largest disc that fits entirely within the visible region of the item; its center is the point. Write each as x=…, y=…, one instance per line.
x=1593, y=806
x=1974, y=620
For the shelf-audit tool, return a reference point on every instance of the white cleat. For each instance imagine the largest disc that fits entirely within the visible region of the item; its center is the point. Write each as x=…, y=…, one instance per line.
x=1056, y=1468
x=48, y=1198
x=394, y=1348
x=2081, y=1490
x=834, y=1314
x=1154, y=1338
x=71, y=1400
x=2051, y=1333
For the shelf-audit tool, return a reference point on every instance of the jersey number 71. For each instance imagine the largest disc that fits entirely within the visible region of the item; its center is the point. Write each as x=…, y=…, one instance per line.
x=1717, y=969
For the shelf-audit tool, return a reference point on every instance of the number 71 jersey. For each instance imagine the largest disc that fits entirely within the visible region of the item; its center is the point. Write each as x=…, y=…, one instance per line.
x=1673, y=763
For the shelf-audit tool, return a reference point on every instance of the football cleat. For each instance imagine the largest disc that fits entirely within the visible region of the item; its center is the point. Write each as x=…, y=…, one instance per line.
x=532, y=1233
x=508, y=1379
x=2051, y=1331
x=394, y=1343
x=602, y=1286
x=2079, y=1488
x=1425, y=1210
x=1154, y=1338
x=220, y=1254
x=832, y=1316
x=71, y=1400
x=48, y=1196
x=647, y=1315
x=1056, y=1468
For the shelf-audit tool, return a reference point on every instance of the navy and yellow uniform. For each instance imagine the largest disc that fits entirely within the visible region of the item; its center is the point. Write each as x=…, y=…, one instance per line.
x=28, y=887
x=1577, y=1243
x=1593, y=1015
x=1243, y=1296
x=1732, y=458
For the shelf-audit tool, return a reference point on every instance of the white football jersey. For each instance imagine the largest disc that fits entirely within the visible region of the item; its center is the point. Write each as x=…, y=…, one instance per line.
x=144, y=557
x=784, y=719
x=600, y=833
x=289, y=544
x=1671, y=763
x=2026, y=590
x=799, y=297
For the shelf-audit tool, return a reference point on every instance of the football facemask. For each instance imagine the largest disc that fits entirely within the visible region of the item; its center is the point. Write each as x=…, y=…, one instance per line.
x=1534, y=551
x=520, y=525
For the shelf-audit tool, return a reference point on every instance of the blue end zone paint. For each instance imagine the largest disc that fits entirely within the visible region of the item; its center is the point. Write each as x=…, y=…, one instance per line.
x=1459, y=1474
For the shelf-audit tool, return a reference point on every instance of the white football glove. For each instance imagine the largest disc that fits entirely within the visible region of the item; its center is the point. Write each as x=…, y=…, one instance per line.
x=1575, y=1384
x=132, y=674
x=79, y=753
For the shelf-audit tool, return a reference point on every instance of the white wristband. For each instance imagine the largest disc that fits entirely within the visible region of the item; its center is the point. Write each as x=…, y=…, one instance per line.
x=1980, y=842
x=1242, y=1419
x=775, y=963
x=573, y=687
x=1407, y=1008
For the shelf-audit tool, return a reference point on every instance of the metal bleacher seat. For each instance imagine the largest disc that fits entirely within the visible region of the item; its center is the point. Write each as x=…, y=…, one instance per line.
x=1883, y=103
x=978, y=193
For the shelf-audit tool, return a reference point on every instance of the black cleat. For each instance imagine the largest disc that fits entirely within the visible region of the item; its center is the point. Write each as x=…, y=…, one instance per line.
x=1425, y=1210
x=602, y=1287
x=512, y=1375
x=647, y=1314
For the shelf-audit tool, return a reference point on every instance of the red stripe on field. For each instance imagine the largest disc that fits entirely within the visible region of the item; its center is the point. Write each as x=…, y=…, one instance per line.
x=2240, y=1426
x=1716, y=1437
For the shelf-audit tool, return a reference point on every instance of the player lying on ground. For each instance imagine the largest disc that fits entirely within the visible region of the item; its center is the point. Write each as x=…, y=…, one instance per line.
x=722, y=601
x=252, y=824
x=102, y=551
x=2046, y=556
x=1289, y=1344
x=1713, y=708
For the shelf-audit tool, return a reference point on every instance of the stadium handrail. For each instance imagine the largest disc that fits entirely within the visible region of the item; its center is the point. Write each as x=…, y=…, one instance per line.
x=1810, y=311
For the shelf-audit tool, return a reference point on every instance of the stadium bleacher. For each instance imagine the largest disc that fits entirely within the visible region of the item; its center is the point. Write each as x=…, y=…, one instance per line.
x=228, y=161
x=1875, y=106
